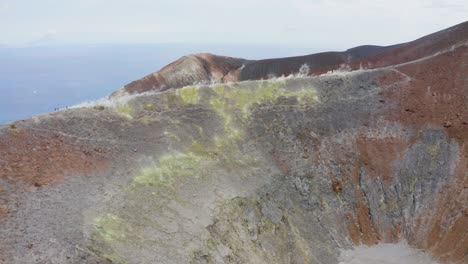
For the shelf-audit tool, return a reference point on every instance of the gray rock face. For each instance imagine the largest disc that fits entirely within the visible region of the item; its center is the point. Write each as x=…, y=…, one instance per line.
x=289, y=170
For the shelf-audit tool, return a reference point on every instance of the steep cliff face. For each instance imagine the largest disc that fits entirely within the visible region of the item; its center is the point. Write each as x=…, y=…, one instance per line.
x=288, y=170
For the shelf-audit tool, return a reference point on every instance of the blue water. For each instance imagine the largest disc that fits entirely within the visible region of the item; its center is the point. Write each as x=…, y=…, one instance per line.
x=35, y=80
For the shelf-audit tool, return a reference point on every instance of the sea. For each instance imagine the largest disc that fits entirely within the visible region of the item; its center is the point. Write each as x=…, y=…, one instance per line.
x=40, y=79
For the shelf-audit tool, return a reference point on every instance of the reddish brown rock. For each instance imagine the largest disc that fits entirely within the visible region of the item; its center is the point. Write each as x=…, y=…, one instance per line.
x=378, y=155
x=188, y=70
x=40, y=158
x=208, y=68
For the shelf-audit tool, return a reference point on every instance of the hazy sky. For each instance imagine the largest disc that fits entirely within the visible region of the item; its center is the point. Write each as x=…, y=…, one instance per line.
x=320, y=23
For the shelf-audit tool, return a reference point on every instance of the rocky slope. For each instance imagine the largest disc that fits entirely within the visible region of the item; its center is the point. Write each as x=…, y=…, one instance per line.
x=287, y=170
x=209, y=68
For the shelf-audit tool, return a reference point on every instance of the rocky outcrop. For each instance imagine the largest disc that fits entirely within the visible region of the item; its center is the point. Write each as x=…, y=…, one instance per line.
x=209, y=68
x=188, y=70
x=287, y=170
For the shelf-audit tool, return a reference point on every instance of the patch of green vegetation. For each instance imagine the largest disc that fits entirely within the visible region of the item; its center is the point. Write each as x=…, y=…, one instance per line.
x=383, y=207
x=200, y=149
x=243, y=99
x=224, y=151
x=201, y=159
x=228, y=117
x=189, y=95
x=304, y=96
x=433, y=149
x=340, y=198
x=172, y=136
x=149, y=107
x=148, y=120
x=170, y=167
x=110, y=227
x=393, y=205
x=229, y=101
x=124, y=110
x=324, y=203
